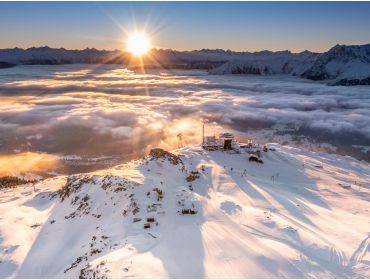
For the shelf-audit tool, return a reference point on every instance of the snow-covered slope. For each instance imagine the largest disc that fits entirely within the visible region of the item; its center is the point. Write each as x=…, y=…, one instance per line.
x=349, y=65
x=267, y=63
x=292, y=216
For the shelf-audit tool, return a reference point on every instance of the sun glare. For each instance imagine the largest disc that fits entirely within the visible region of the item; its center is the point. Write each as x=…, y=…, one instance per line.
x=138, y=43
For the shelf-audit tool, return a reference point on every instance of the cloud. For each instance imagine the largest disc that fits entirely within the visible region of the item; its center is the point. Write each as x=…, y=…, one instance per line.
x=107, y=110
x=122, y=131
x=18, y=164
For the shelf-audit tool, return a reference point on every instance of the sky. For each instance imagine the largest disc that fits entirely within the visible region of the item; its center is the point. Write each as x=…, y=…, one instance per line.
x=240, y=26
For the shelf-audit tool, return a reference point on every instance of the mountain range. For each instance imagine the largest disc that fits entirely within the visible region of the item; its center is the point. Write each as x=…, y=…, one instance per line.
x=341, y=65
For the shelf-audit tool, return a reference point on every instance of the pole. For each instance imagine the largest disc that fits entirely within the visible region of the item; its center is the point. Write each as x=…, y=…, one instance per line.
x=203, y=134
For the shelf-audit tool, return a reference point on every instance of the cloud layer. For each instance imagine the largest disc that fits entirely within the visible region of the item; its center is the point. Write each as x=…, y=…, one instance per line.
x=108, y=111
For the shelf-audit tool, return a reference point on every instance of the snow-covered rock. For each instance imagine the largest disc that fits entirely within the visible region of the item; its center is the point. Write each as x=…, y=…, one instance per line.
x=299, y=214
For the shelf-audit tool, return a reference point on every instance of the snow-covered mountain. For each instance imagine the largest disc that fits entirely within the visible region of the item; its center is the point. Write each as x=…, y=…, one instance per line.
x=268, y=63
x=349, y=65
x=193, y=214
x=52, y=56
x=345, y=65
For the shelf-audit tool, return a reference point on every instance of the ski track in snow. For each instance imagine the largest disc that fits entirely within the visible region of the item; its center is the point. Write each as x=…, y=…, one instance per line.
x=286, y=218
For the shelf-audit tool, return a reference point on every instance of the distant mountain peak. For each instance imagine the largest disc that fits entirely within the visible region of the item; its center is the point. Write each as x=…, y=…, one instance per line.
x=348, y=64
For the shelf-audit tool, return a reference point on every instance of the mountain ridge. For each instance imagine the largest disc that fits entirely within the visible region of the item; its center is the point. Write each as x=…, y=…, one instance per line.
x=340, y=65
x=298, y=214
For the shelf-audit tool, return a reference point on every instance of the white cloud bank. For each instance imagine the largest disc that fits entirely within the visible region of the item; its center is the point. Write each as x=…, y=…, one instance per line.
x=107, y=110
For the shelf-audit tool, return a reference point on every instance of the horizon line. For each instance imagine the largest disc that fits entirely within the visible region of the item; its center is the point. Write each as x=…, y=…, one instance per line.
x=176, y=50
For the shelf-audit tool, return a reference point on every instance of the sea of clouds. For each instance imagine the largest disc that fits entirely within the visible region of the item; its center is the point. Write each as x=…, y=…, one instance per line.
x=109, y=110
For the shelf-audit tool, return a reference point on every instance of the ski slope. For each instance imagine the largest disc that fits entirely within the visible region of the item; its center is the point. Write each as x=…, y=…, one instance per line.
x=294, y=216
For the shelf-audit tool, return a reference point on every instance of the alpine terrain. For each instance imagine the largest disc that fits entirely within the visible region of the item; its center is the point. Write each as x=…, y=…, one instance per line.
x=194, y=213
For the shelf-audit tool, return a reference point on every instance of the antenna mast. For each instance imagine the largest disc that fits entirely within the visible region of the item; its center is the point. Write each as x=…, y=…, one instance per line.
x=203, y=133
x=179, y=136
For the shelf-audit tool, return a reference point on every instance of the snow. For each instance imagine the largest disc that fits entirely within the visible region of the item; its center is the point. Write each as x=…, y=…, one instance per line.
x=288, y=217
x=344, y=63
x=274, y=63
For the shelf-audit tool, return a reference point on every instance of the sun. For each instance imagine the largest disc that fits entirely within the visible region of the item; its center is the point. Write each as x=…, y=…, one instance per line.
x=138, y=43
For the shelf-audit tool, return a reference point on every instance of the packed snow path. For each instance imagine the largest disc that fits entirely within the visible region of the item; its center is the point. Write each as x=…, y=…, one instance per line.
x=299, y=214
